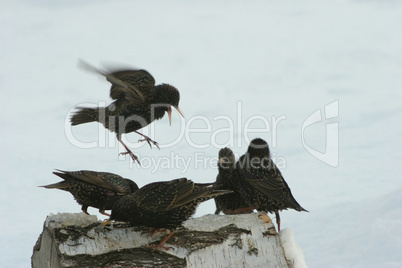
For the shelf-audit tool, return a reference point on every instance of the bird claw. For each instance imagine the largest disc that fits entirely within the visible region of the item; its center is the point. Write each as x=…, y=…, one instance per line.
x=133, y=156
x=105, y=222
x=149, y=141
x=161, y=244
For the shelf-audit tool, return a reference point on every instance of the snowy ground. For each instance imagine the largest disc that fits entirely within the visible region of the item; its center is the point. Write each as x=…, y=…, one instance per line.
x=233, y=61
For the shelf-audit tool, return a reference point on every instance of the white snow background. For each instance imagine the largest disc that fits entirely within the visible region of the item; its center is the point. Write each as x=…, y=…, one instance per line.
x=278, y=59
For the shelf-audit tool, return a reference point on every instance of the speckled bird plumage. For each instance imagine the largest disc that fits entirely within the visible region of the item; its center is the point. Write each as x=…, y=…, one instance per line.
x=163, y=204
x=138, y=102
x=94, y=189
x=232, y=203
x=261, y=183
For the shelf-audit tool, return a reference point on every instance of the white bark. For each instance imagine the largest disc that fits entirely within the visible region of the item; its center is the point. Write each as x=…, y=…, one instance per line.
x=79, y=240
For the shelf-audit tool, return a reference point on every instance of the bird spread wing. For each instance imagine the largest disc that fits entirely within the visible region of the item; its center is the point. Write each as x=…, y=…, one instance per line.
x=134, y=85
x=138, y=85
x=105, y=180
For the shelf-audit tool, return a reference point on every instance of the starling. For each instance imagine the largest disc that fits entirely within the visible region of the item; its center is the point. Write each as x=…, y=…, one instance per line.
x=94, y=189
x=261, y=183
x=137, y=103
x=232, y=203
x=163, y=204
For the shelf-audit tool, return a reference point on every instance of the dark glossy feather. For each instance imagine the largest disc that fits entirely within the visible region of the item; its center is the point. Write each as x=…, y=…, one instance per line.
x=163, y=204
x=232, y=203
x=137, y=103
x=94, y=189
x=261, y=182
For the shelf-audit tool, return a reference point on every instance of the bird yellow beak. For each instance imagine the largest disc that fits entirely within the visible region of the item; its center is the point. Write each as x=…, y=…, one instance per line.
x=105, y=222
x=170, y=113
x=177, y=109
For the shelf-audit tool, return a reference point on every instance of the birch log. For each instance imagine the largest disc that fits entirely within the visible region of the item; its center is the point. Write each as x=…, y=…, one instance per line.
x=79, y=240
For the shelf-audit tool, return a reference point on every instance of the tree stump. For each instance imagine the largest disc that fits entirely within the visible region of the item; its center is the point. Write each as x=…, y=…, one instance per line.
x=79, y=240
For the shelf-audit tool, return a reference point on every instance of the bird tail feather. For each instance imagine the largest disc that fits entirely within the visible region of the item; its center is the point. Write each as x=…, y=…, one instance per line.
x=60, y=185
x=84, y=115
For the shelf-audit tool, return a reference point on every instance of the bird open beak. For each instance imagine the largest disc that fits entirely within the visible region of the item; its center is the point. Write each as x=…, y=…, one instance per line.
x=170, y=113
x=177, y=109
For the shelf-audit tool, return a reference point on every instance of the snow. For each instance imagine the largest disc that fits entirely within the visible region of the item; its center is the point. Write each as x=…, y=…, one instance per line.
x=293, y=253
x=230, y=60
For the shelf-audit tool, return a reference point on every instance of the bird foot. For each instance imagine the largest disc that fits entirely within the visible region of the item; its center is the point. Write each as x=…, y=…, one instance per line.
x=160, y=245
x=133, y=156
x=85, y=211
x=105, y=222
x=149, y=141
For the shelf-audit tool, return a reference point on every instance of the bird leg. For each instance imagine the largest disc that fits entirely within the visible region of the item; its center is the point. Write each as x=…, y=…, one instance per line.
x=147, y=139
x=135, y=158
x=84, y=209
x=102, y=211
x=160, y=245
x=278, y=220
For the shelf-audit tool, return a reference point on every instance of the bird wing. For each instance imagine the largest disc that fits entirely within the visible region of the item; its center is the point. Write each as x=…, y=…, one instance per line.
x=200, y=192
x=164, y=196
x=270, y=182
x=267, y=181
x=270, y=179
x=135, y=85
x=105, y=180
x=161, y=195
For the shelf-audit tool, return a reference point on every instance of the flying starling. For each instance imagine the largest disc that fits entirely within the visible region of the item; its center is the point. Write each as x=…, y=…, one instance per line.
x=137, y=103
x=261, y=183
x=94, y=189
x=163, y=204
x=232, y=203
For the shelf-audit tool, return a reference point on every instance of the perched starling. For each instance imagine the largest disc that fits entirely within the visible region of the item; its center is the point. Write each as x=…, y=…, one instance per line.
x=94, y=189
x=138, y=102
x=232, y=203
x=163, y=204
x=261, y=183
